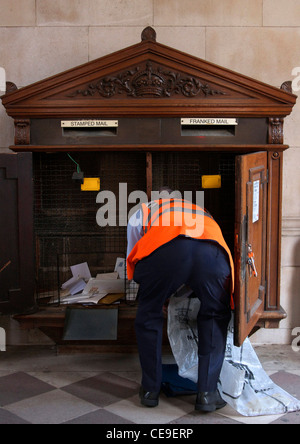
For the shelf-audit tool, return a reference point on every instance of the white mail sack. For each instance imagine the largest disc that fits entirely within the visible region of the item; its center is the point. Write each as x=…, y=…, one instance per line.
x=243, y=383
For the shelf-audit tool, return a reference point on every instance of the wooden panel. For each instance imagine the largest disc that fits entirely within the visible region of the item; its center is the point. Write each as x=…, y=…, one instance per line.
x=250, y=242
x=16, y=234
x=275, y=165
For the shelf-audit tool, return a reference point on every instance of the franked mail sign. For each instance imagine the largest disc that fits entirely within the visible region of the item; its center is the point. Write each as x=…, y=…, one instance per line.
x=84, y=123
x=2, y=340
x=208, y=121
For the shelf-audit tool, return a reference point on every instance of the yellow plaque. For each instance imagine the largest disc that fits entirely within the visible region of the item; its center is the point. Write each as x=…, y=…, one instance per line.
x=91, y=184
x=211, y=181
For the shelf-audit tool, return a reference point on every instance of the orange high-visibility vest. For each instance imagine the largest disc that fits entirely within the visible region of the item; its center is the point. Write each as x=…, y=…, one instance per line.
x=166, y=219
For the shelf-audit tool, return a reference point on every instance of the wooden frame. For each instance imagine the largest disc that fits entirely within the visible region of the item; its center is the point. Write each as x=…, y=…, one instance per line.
x=153, y=84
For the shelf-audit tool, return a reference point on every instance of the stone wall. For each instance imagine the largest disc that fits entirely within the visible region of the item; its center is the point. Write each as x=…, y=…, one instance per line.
x=259, y=38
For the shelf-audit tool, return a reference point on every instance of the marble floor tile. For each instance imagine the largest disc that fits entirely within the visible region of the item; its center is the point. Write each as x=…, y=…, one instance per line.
x=37, y=386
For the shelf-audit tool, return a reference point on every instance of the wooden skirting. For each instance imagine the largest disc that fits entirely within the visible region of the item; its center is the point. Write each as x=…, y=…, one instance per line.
x=51, y=321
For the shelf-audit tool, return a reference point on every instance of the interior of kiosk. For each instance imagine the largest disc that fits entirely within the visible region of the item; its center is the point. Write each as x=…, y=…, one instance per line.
x=66, y=230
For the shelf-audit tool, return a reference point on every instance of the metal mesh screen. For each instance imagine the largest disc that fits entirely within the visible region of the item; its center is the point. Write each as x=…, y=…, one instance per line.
x=66, y=229
x=183, y=171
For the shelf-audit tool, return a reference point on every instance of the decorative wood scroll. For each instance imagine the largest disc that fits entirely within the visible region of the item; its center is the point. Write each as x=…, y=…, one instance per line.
x=287, y=86
x=11, y=87
x=276, y=130
x=149, y=34
x=22, y=131
x=147, y=81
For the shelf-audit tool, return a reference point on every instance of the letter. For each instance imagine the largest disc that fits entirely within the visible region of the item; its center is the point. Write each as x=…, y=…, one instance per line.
x=110, y=208
x=194, y=221
x=123, y=204
x=189, y=432
x=152, y=434
x=296, y=81
x=137, y=435
x=296, y=341
x=165, y=219
x=200, y=199
x=135, y=196
x=109, y=435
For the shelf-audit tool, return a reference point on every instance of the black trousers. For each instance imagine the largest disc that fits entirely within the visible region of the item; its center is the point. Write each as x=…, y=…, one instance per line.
x=204, y=267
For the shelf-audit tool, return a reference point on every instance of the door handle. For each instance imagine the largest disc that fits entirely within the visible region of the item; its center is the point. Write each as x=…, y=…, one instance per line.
x=251, y=261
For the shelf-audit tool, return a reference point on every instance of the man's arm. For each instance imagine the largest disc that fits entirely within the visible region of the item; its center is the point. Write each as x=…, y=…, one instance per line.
x=134, y=230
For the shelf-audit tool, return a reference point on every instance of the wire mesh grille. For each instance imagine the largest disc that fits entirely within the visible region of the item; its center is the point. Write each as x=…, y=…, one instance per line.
x=183, y=171
x=66, y=229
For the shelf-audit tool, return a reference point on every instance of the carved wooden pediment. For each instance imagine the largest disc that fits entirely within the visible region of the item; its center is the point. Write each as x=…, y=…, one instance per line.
x=148, y=79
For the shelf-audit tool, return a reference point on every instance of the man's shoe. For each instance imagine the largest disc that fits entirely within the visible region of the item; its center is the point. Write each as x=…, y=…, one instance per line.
x=209, y=402
x=149, y=399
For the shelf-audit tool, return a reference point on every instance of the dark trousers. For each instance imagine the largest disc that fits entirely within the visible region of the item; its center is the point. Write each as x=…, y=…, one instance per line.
x=204, y=267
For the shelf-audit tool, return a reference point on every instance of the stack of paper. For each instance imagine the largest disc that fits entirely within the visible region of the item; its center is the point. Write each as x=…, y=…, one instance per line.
x=81, y=274
x=83, y=289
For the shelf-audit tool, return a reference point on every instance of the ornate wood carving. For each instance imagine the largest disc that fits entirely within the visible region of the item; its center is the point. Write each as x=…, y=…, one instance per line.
x=149, y=34
x=11, y=87
x=287, y=86
x=148, y=81
x=275, y=155
x=276, y=130
x=22, y=131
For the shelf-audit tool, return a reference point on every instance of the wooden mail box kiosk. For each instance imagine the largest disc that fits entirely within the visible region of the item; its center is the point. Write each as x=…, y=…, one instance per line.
x=148, y=116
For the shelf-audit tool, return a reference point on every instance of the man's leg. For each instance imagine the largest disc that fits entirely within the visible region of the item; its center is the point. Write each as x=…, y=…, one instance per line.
x=211, y=280
x=159, y=276
x=149, y=328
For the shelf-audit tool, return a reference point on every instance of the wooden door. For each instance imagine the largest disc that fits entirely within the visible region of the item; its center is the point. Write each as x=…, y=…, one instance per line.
x=16, y=234
x=250, y=242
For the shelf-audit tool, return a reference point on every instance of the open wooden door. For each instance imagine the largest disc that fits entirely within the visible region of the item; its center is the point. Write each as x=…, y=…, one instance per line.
x=250, y=242
x=16, y=234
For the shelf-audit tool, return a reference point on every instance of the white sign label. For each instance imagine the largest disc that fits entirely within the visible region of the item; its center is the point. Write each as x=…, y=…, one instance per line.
x=256, y=186
x=89, y=124
x=208, y=121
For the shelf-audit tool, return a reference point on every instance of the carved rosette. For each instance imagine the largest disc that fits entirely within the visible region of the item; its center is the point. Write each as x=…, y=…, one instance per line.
x=276, y=130
x=147, y=81
x=22, y=132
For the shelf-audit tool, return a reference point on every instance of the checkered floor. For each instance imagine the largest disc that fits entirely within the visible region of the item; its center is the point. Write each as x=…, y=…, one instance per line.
x=37, y=386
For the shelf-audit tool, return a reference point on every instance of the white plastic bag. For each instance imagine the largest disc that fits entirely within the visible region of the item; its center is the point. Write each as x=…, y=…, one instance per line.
x=243, y=383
